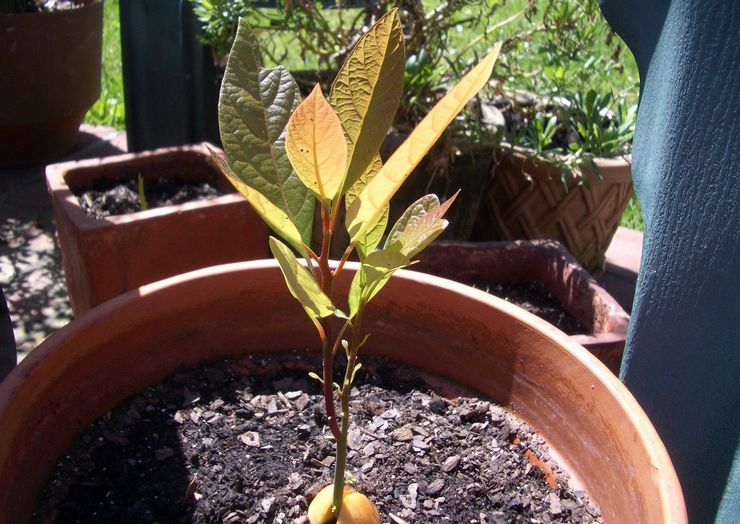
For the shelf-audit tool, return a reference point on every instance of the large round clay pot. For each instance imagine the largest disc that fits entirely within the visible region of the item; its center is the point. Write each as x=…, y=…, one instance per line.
x=525, y=199
x=50, y=65
x=593, y=424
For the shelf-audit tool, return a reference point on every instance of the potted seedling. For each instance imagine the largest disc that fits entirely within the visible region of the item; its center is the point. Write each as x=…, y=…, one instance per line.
x=138, y=339
x=332, y=146
x=50, y=58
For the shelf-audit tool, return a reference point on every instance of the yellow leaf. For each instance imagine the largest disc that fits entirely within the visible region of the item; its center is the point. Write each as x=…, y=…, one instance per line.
x=366, y=209
x=316, y=146
x=278, y=220
x=367, y=90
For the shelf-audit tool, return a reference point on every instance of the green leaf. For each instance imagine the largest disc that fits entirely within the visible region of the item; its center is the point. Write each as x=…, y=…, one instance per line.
x=253, y=112
x=316, y=146
x=374, y=273
x=367, y=90
x=374, y=234
x=419, y=225
x=278, y=221
x=301, y=283
x=367, y=208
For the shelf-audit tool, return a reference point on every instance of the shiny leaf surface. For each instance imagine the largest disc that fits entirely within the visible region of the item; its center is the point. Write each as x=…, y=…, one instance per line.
x=419, y=225
x=367, y=90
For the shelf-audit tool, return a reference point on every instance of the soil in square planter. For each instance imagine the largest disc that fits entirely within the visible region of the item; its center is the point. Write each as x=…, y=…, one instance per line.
x=246, y=441
x=120, y=198
x=537, y=300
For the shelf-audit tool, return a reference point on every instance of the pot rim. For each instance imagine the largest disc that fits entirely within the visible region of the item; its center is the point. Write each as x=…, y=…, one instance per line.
x=665, y=480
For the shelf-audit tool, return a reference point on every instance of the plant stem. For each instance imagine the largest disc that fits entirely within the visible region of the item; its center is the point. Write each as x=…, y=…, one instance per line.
x=340, y=462
x=341, y=459
x=327, y=355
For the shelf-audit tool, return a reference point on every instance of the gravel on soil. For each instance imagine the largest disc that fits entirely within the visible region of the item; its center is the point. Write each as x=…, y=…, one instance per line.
x=247, y=441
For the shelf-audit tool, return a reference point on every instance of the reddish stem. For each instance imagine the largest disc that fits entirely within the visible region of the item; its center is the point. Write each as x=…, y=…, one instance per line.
x=327, y=353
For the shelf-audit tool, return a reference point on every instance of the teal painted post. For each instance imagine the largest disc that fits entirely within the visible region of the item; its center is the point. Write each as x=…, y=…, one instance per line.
x=682, y=360
x=170, y=83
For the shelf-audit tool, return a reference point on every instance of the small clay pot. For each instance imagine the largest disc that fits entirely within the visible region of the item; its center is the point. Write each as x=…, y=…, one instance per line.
x=103, y=258
x=595, y=428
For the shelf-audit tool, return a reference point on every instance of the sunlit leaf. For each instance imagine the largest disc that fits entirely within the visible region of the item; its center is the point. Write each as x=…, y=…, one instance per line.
x=374, y=273
x=278, y=221
x=253, y=112
x=374, y=234
x=316, y=146
x=419, y=225
x=300, y=282
x=367, y=90
x=366, y=209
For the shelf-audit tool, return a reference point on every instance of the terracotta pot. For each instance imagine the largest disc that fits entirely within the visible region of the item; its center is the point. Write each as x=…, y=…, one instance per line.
x=549, y=264
x=50, y=65
x=106, y=257
x=526, y=200
x=594, y=426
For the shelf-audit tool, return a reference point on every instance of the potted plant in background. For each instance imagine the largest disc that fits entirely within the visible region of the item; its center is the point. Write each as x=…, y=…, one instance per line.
x=562, y=168
x=50, y=58
x=111, y=243
x=443, y=327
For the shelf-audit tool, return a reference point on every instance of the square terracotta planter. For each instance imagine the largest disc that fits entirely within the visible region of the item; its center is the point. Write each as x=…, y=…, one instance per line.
x=106, y=257
x=549, y=264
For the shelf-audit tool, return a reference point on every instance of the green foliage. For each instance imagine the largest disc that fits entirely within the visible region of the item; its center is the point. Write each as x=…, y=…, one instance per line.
x=274, y=144
x=301, y=283
x=109, y=109
x=254, y=108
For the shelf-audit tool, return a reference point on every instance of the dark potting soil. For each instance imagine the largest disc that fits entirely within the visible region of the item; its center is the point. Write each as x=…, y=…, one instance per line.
x=37, y=6
x=247, y=442
x=123, y=197
x=538, y=300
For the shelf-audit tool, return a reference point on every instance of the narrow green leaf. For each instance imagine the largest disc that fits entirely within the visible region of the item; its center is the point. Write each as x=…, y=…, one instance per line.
x=254, y=108
x=367, y=90
x=301, y=283
x=419, y=225
x=374, y=234
x=366, y=209
x=375, y=272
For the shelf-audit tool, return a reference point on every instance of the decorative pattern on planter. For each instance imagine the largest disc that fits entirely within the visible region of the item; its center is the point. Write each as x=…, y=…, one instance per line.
x=527, y=200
